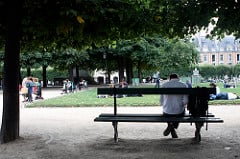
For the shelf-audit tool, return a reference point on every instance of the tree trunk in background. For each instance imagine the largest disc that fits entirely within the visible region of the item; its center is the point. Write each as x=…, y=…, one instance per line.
x=44, y=75
x=139, y=72
x=129, y=70
x=108, y=76
x=77, y=75
x=10, y=118
x=120, y=68
x=70, y=72
x=28, y=71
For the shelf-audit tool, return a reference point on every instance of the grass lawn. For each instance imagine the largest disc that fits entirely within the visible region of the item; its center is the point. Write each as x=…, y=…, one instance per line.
x=88, y=98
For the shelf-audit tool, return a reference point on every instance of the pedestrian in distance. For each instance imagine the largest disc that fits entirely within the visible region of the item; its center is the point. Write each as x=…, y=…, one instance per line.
x=157, y=85
x=188, y=83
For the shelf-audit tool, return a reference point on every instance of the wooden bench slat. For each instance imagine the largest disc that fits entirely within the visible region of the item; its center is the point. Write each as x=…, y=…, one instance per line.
x=142, y=115
x=159, y=119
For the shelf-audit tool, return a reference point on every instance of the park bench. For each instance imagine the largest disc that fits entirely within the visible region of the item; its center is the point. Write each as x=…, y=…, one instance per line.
x=114, y=117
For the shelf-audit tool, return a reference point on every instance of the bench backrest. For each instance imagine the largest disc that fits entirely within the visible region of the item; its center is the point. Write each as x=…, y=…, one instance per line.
x=199, y=95
x=192, y=91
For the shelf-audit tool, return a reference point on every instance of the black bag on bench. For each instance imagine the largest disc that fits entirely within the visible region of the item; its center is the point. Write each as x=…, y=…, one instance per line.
x=198, y=105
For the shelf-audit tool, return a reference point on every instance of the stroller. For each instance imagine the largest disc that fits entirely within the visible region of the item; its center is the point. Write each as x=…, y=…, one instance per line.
x=38, y=91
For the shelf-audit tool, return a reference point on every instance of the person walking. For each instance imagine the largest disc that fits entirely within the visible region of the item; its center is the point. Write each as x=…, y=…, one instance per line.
x=157, y=85
x=29, y=85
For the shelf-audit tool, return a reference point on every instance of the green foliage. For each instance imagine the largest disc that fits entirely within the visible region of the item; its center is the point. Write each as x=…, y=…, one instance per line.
x=178, y=56
x=222, y=70
x=65, y=58
x=207, y=71
x=53, y=30
x=80, y=23
x=236, y=70
x=150, y=54
x=219, y=71
x=51, y=74
x=71, y=26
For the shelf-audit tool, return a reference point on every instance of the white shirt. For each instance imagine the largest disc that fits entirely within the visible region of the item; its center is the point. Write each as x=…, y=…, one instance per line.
x=231, y=96
x=174, y=104
x=217, y=90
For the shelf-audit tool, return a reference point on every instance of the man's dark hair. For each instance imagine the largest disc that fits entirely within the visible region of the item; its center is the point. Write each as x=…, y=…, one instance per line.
x=174, y=75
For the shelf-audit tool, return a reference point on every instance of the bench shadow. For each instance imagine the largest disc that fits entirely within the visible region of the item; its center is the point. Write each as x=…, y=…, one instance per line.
x=162, y=148
x=166, y=145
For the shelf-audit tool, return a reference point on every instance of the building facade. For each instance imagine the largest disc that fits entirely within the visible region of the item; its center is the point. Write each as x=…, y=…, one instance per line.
x=218, y=52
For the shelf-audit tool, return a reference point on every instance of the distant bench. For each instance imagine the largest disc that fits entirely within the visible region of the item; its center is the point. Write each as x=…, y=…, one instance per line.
x=196, y=93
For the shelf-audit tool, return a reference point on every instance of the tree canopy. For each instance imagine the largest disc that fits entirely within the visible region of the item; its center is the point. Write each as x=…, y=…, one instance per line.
x=78, y=23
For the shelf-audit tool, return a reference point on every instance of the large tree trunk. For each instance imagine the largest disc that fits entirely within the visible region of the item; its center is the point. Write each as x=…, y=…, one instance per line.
x=10, y=118
x=44, y=75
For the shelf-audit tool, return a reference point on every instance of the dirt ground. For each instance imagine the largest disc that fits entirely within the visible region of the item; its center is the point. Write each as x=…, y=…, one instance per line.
x=71, y=133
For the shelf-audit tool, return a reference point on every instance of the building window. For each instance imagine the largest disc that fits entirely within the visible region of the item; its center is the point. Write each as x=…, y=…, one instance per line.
x=230, y=57
x=221, y=57
x=205, y=58
x=238, y=57
x=213, y=58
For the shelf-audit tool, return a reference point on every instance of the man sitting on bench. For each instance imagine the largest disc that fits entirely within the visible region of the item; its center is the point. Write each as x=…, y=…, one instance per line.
x=173, y=105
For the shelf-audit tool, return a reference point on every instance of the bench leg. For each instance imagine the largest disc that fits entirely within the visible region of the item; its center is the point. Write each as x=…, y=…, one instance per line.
x=198, y=132
x=115, y=126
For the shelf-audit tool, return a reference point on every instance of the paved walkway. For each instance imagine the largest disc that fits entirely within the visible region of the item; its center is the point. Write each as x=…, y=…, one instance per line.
x=46, y=94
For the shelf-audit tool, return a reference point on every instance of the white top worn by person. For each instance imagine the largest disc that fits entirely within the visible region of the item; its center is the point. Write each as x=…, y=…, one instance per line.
x=232, y=96
x=174, y=104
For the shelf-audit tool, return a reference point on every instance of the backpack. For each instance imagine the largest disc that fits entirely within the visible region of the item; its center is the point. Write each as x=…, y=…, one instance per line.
x=198, y=104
